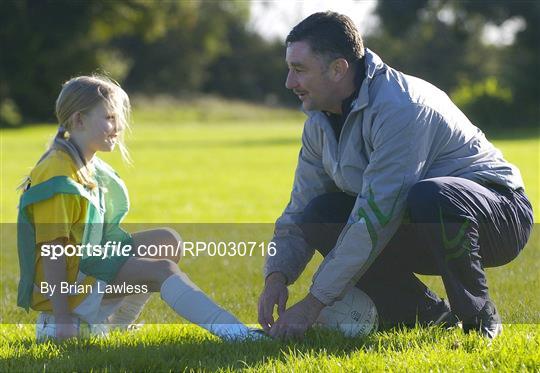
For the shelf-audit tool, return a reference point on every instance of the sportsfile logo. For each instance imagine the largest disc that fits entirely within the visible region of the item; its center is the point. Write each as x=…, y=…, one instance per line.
x=196, y=248
x=107, y=250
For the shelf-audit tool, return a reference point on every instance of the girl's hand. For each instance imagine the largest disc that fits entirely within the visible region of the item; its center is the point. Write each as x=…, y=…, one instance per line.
x=66, y=328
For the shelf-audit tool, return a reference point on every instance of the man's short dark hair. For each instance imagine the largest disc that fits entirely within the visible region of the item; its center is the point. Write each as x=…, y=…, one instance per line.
x=330, y=35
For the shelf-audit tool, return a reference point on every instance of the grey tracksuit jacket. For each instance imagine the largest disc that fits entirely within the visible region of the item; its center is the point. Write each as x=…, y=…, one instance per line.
x=400, y=130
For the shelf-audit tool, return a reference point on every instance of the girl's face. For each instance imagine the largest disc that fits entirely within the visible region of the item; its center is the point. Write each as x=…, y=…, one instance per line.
x=97, y=130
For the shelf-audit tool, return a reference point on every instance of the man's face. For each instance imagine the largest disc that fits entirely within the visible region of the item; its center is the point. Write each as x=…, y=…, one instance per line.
x=308, y=77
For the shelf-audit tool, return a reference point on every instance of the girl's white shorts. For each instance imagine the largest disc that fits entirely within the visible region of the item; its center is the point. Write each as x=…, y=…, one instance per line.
x=90, y=316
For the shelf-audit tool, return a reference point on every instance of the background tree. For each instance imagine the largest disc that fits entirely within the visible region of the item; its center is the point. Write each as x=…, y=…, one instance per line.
x=177, y=62
x=250, y=69
x=441, y=41
x=46, y=42
x=184, y=48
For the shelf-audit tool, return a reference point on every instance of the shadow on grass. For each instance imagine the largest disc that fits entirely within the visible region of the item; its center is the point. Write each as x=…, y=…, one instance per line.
x=178, y=353
x=185, y=351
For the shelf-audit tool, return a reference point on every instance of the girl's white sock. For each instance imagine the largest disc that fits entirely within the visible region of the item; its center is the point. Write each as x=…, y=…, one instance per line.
x=129, y=311
x=190, y=302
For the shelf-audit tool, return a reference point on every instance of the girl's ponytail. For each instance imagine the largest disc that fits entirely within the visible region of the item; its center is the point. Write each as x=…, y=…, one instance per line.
x=80, y=95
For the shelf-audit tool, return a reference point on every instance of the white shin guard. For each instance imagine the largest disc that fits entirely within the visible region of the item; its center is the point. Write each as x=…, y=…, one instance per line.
x=190, y=302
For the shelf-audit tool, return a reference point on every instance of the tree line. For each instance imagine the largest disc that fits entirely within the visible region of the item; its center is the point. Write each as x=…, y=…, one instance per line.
x=182, y=48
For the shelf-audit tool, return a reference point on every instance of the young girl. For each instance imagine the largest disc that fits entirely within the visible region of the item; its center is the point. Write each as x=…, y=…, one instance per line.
x=71, y=197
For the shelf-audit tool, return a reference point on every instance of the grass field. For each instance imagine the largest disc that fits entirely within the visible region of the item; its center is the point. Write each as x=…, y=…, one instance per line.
x=229, y=163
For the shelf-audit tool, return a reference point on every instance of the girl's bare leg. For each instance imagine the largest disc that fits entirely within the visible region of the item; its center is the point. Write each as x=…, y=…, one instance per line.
x=177, y=290
x=131, y=307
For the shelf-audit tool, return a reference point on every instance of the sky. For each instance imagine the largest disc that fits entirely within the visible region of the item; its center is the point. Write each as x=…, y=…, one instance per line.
x=275, y=18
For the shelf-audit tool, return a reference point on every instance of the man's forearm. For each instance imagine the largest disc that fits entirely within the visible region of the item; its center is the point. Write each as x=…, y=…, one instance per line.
x=292, y=255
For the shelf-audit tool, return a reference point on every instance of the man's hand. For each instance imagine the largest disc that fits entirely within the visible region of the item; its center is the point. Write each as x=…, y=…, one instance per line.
x=274, y=293
x=294, y=322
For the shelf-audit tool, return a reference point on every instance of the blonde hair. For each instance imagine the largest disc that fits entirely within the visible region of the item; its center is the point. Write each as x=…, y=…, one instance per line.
x=82, y=94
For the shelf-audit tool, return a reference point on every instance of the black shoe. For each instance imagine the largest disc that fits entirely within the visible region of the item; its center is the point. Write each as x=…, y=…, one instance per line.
x=488, y=322
x=438, y=314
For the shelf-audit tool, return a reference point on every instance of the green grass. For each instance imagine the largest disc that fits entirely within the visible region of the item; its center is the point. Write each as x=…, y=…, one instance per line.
x=208, y=162
x=158, y=348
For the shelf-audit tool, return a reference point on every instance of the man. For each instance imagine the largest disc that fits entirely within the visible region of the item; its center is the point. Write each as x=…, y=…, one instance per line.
x=391, y=179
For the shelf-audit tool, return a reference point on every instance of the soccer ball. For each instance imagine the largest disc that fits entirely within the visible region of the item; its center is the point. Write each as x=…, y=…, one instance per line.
x=354, y=315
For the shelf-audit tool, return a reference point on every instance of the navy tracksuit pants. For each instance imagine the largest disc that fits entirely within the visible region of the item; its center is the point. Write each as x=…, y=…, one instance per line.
x=453, y=227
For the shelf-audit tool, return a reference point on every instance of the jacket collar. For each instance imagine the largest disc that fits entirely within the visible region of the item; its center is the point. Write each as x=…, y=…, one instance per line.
x=374, y=66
